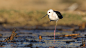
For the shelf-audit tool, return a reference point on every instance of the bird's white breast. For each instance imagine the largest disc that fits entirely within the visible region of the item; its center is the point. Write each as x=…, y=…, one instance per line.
x=53, y=16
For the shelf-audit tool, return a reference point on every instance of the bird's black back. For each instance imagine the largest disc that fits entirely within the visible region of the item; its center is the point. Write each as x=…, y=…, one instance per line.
x=59, y=14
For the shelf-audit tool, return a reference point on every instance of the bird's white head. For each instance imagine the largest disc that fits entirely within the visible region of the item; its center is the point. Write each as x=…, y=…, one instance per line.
x=50, y=11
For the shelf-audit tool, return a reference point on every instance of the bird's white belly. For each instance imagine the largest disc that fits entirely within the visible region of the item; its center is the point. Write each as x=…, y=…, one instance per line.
x=53, y=18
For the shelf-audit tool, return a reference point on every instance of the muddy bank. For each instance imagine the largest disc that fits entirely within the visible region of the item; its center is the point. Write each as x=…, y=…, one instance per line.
x=59, y=27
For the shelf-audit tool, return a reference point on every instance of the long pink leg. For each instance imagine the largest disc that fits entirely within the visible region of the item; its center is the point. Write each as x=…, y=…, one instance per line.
x=55, y=31
x=54, y=34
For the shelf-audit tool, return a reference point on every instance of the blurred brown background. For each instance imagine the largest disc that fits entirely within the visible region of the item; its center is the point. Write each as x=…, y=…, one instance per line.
x=29, y=12
x=41, y=4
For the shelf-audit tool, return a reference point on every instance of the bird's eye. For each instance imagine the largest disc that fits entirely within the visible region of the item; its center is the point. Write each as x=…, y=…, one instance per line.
x=49, y=12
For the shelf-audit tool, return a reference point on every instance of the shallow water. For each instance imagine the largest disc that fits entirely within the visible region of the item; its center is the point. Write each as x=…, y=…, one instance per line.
x=30, y=38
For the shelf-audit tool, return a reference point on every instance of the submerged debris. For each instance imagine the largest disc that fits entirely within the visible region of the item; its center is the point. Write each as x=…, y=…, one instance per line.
x=83, y=43
x=82, y=26
x=0, y=35
x=40, y=37
x=1, y=44
x=30, y=45
x=69, y=35
x=11, y=37
x=13, y=34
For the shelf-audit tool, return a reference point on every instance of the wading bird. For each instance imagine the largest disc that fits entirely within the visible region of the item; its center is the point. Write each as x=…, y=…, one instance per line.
x=53, y=16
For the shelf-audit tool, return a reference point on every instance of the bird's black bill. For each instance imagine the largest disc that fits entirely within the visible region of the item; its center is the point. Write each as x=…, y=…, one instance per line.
x=44, y=16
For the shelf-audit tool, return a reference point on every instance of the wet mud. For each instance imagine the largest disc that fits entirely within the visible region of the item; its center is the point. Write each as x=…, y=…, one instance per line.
x=43, y=37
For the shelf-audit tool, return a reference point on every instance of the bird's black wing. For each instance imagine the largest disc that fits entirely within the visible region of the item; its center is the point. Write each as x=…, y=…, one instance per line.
x=59, y=14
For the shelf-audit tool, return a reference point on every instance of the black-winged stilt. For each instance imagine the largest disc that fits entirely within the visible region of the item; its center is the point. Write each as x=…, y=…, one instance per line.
x=54, y=16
